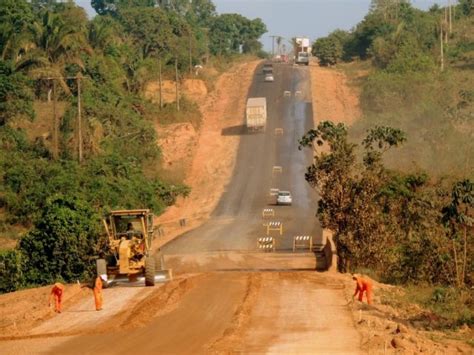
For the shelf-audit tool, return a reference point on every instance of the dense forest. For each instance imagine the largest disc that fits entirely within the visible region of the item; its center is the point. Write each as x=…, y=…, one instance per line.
x=397, y=187
x=56, y=59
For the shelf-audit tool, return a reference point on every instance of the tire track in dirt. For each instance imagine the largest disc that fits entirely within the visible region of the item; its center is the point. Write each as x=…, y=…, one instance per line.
x=233, y=334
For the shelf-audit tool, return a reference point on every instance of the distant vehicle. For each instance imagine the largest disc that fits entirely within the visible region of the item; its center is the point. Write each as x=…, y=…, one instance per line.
x=284, y=198
x=268, y=68
x=269, y=78
x=256, y=114
x=302, y=50
x=302, y=58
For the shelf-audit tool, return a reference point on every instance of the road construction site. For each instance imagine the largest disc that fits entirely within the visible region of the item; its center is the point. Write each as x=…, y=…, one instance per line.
x=227, y=294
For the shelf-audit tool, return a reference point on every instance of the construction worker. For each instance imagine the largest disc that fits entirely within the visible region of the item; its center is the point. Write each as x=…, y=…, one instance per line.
x=57, y=293
x=363, y=285
x=98, y=293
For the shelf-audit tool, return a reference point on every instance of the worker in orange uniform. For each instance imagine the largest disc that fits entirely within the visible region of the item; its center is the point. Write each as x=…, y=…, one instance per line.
x=363, y=285
x=98, y=293
x=57, y=293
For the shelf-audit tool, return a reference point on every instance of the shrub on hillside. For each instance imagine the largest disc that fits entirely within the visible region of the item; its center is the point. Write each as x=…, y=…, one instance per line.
x=11, y=275
x=62, y=242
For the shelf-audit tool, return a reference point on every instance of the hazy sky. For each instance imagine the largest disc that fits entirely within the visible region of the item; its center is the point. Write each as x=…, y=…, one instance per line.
x=292, y=18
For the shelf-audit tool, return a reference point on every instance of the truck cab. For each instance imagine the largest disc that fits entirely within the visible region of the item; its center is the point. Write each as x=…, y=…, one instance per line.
x=302, y=58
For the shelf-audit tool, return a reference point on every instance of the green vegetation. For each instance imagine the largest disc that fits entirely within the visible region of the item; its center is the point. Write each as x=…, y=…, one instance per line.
x=404, y=215
x=406, y=87
x=441, y=307
x=50, y=183
x=405, y=227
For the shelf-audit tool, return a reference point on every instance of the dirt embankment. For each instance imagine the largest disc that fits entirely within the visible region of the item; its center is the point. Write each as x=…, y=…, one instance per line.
x=403, y=329
x=193, y=89
x=334, y=99
x=206, y=158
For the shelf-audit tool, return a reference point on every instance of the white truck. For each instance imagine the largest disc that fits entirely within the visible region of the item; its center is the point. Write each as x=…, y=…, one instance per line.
x=256, y=114
x=302, y=50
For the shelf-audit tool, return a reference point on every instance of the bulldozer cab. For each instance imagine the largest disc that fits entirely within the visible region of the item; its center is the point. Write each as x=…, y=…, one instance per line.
x=133, y=225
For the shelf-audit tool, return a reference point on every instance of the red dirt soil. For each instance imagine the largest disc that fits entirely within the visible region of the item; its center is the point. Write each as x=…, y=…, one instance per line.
x=333, y=98
x=213, y=154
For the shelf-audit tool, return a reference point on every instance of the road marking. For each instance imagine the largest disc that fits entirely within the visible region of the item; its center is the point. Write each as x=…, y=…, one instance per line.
x=298, y=93
x=286, y=93
x=278, y=131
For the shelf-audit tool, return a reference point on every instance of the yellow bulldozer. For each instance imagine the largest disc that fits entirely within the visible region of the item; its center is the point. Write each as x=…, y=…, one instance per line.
x=127, y=253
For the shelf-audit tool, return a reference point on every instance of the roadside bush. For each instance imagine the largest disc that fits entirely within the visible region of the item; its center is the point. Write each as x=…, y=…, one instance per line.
x=330, y=49
x=11, y=275
x=62, y=242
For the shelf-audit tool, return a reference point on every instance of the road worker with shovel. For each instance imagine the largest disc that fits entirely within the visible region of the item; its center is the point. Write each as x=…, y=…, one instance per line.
x=362, y=285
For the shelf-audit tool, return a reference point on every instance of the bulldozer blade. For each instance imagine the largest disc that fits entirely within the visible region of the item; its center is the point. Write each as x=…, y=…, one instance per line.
x=139, y=280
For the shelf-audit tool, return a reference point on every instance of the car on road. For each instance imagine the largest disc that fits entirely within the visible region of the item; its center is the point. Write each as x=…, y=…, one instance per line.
x=284, y=198
x=269, y=78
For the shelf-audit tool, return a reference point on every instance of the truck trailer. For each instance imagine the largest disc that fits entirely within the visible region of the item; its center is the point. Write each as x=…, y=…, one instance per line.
x=256, y=114
x=302, y=50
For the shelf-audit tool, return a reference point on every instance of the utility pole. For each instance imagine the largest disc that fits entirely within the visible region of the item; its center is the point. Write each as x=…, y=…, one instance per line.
x=273, y=45
x=450, y=17
x=177, y=83
x=190, y=55
x=441, y=44
x=55, y=125
x=446, y=24
x=79, y=119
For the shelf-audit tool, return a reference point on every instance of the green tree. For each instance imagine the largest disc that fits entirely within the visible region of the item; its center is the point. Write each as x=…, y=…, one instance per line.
x=57, y=41
x=459, y=219
x=228, y=33
x=16, y=18
x=329, y=50
x=62, y=243
x=16, y=99
x=11, y=272
x=346, y=204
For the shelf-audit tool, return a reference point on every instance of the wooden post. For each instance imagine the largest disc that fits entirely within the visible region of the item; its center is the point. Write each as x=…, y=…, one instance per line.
x=177, y=83
x=441, y=44
x=79, y=119
x=190, y=56
x=161, y=85
x=445, y=24
x=450, y=17
x=55, y=125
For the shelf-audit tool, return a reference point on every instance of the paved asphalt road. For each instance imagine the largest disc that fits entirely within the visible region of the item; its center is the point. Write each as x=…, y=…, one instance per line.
x=236, y=223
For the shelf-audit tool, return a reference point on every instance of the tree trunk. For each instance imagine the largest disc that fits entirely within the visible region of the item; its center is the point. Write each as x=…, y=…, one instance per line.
x=79, y=120
x=441, y=43
x=456, y=262
x=177, y=83
x=464, y=261
x=190, y=57
x=55, y=125
x=161, y=86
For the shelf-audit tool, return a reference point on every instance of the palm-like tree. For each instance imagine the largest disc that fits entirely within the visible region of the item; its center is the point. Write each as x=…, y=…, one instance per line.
x=279, y=40
x=54, y=44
